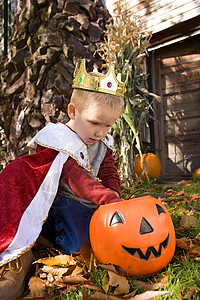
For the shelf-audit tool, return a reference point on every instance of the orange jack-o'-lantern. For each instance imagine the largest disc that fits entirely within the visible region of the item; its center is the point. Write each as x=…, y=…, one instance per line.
x=137, y=235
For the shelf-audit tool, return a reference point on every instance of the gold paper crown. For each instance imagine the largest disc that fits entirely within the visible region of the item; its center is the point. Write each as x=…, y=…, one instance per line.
x=108, y=83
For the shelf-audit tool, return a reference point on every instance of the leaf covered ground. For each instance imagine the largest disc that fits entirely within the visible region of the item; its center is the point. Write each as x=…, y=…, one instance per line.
x=81, y=276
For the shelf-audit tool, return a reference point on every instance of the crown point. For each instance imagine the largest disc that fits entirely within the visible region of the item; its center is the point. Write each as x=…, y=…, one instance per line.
x=119, y=76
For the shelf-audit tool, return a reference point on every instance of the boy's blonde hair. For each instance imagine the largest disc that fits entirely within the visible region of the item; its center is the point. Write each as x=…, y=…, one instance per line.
x=85, y=98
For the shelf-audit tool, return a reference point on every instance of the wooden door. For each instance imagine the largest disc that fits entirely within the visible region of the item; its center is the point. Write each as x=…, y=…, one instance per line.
x=176, y=74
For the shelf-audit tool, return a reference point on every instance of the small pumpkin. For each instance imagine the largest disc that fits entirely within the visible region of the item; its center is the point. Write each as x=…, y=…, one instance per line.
x=197, y=173
x=137, y=235
x=152, y=163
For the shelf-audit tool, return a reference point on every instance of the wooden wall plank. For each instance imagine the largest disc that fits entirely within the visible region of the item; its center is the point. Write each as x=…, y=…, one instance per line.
x=177, y=124
x=183, y=100
x=158, y=15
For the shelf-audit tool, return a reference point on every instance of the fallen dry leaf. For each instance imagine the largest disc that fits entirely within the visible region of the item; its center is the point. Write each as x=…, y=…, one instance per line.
x=77, y=271
x=50, y=277
x=184, y=243
x=36, y=286
x=183, y=184
x=102, y=296
x=191, y=213
x=162, y=199
x=59, y=271
x=121, y=283
x=112, y=268
x=195, y=251
x=69, y=288
x=86, y=253
x=196, y=258
x=150, y=295
x=130, y=295
x=58, y=282
x=163, y=280
x=189, y=295
x=197, y=237
x=150, y=286
x=77, y=279
x=180, y=194
x=91, y=286
x=59, y=260
x=166, y=187
x=189, y=221
x=172, y=198
x=170, y=192
x=105, y=282
x=143, y=284
x=195, y=197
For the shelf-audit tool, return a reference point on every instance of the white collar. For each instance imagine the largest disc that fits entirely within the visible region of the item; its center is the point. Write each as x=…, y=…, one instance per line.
x=61, y=138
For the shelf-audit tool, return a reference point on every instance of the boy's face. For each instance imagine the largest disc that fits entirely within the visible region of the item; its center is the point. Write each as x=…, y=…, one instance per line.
x=92, y=123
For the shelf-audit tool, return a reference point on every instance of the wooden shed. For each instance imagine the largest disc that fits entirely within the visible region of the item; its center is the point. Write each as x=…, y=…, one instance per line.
x=174, y=68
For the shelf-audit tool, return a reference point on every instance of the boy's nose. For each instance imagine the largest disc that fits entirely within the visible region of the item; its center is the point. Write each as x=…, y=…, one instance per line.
x=100, y=133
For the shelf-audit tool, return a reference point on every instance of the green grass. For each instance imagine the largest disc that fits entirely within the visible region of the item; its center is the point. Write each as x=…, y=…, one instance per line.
x=182, y=275
x=75, y=295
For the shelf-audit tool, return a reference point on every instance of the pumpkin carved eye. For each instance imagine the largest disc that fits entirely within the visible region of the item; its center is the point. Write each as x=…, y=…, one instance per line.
x=160, y=209
x=145, y=227
x=116, y=218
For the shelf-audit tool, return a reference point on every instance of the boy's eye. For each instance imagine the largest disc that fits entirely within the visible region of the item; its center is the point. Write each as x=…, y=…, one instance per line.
x=94, y=123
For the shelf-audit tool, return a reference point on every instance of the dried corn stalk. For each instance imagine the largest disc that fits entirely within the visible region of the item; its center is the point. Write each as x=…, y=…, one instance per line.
x=125, y=44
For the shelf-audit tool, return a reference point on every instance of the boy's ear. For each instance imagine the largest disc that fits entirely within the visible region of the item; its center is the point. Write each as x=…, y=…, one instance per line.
x=71, y=110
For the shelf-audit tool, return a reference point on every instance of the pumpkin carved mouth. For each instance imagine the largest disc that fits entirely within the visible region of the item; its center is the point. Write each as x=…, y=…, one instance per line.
x=150, y=250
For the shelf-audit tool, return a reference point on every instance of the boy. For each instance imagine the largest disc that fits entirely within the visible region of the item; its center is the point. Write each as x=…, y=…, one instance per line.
x=71, y=174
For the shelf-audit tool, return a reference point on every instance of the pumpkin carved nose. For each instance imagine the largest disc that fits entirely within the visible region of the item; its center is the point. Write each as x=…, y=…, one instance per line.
x=145, y=227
